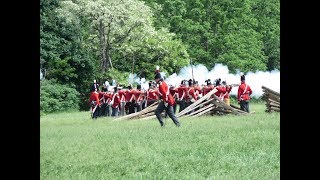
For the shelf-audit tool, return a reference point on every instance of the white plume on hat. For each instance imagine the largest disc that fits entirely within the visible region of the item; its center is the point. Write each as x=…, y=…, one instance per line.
x=157, y=67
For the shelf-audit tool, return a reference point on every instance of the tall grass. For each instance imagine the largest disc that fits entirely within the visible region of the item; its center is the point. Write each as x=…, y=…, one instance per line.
x=73, y=146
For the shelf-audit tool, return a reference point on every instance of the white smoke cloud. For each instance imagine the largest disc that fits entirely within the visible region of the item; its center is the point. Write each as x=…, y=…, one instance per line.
x=254, y=79
x=134, y=79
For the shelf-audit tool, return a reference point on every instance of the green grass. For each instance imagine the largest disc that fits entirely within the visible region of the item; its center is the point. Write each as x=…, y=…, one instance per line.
x=73, y=146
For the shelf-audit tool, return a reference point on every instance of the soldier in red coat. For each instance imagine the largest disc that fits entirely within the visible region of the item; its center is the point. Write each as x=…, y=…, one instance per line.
x=152, y=94
x=107, y=97
x=129, y=97
x=226, y=95
x=208, y=87
x=138, y=96
x=115, y=102
x=95, y=104
x=221, y=90
x=191, y=93
x=174, y=93
x=182, y=93
x=122, y=101
x=198, y=89
x=244, y=92
x=166, y=103
x=102, y=109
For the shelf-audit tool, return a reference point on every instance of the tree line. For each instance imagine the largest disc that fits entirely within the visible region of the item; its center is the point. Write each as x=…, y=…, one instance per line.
x=82, y=40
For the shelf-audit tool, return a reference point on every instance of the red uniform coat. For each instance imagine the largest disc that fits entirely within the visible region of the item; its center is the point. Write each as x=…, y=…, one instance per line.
x=173, y=92
x=207, y=89
x=191, y=94
x=244, y=92
x=153, y=94
x=228, y=90
x=107, y=97
x=182, y=91
x=94, y=96
x=101, y=97
x=197, y=89
x=164, y=92
x=115, y=100
x=129, y=95
x=221, y=90
x=138, y=95
x=122, y=95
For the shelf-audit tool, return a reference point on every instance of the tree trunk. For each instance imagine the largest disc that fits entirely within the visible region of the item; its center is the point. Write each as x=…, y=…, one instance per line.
x=103, y=47
x=109, y=58
x=108, y=45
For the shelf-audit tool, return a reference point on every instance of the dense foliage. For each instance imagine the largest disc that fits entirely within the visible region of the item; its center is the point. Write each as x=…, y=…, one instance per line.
x=82, y=40
x=241, y=34
x=55, y=97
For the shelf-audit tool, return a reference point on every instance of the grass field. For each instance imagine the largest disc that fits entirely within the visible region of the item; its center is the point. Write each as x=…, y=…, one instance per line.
x=73, y=146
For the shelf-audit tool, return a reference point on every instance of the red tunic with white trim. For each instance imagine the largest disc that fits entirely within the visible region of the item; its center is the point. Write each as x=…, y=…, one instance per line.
x=197, y=89
x=227, y=94
x=101, y=99
x=107, y=97
x=129, y=95
x=221, y=90
x=191, y=94
x=182, y=92
x=153, y=94
x=244, y=92
x=115, y=100
x=94, y=96
x=164, y=92
x=207, y=89
x=122, y=95
x=173, y=92
x=138, y=95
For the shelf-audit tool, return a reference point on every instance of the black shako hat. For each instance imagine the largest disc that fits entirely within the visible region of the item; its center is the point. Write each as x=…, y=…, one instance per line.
x=218, y=82
x=208, y=81
x=243, y=78
x=158, y=76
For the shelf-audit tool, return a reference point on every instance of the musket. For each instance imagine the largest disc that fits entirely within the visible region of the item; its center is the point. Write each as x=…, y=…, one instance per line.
x=94, y=109
x=233, y=85
x=147, y=96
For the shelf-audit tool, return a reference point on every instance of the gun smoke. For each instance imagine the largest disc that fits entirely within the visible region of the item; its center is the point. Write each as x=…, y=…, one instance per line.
x=256, y=80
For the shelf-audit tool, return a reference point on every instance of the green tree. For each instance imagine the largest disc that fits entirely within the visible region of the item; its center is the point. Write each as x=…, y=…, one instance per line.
x=268, y=16
x=64, y=50
x=208, y=27
x=112, y=22
x=157, y=47
x=124, y=30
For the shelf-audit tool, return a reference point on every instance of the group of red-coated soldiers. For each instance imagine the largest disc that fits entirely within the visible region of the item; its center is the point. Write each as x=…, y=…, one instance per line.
x=123, y=101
